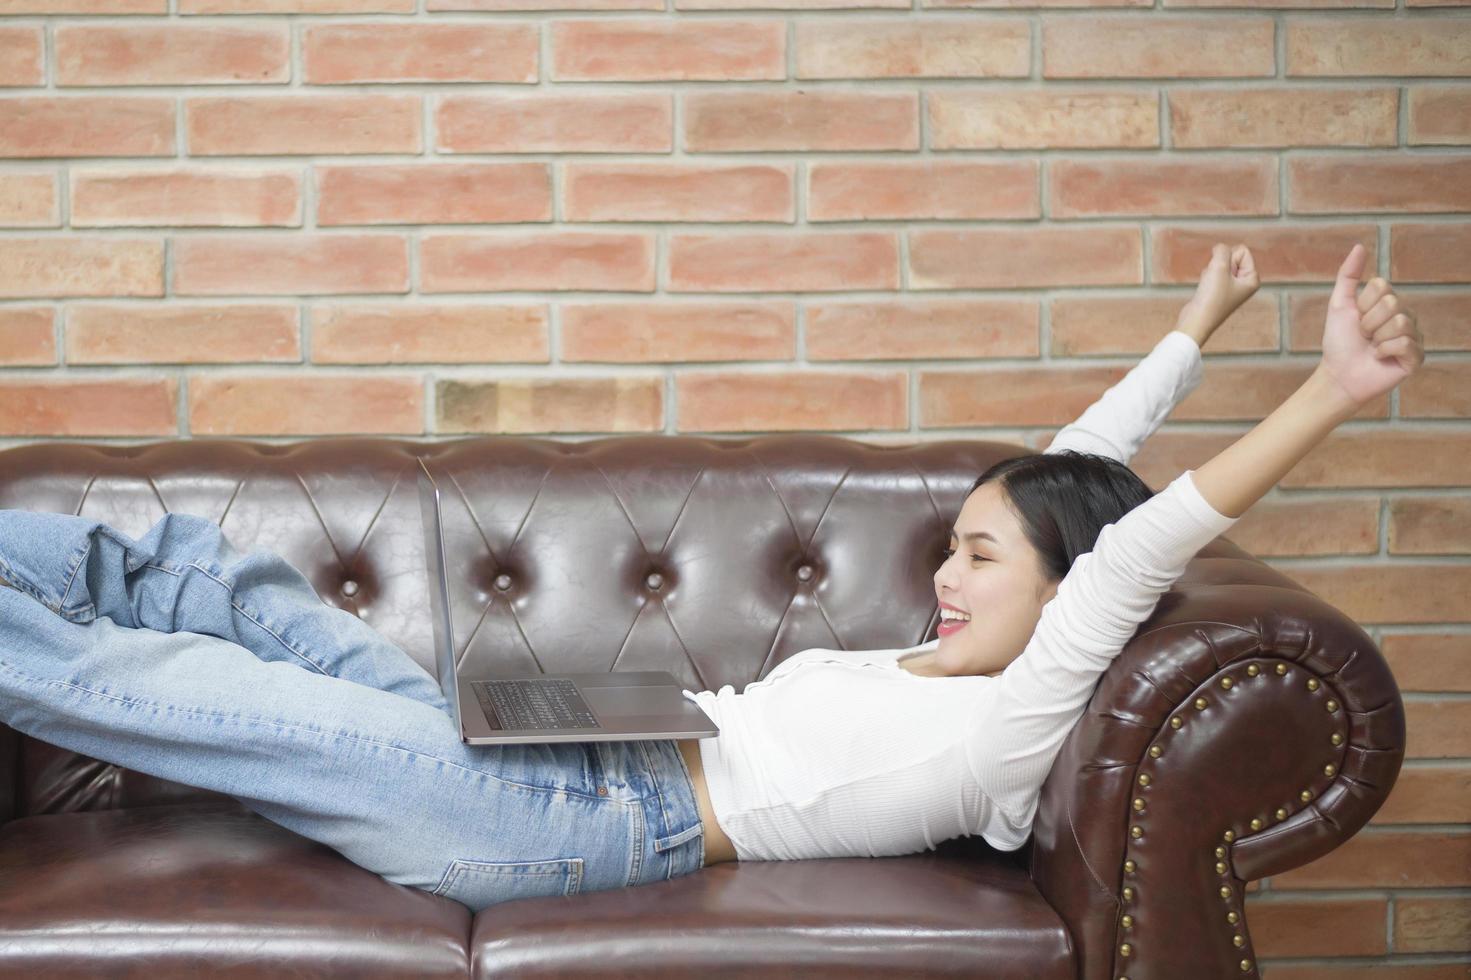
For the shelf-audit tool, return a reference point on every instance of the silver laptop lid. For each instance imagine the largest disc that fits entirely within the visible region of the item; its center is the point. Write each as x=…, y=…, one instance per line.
x=444, y=631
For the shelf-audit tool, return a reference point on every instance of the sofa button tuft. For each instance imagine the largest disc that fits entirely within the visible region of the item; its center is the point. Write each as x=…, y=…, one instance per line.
x=654, y=581
x=503, y=581
x=804, y=573
x=349, y=588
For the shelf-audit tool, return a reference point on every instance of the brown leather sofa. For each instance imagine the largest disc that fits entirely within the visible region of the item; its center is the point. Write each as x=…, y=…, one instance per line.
x=1248, y=728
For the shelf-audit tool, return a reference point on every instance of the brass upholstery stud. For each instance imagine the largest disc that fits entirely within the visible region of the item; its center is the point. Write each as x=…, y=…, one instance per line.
x=1329, y=769
x=1144, y=779
x=1129, y=865
x=1252, y=670
x=1281, y=813
x=1246, y=966
x=1128, y=921
x=1239, y=940
x=1200, y=703
x=1128, y=893
x=1231, y=917
x=1305, y=795
x=1229, y=836
x=1256, y=823
x=1175, y=722
x=1220, y=851
x=1154, y=751
x=1220, y=867
x=1226, y=683
x=1136, y=831
x=1331, y=705
x=1281, y=668
x=1336, y=738
x=1225, y=891
x=1312, y=683
x=1138, y=803
x=1125, y=949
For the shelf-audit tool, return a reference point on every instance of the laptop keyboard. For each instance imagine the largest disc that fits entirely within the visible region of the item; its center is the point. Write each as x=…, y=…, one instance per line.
x=534, y=705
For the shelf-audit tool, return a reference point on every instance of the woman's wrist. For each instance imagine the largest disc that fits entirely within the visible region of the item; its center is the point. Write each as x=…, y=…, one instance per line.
x=1194, y=328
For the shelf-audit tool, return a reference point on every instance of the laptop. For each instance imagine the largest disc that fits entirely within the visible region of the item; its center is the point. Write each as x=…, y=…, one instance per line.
x=586, y=707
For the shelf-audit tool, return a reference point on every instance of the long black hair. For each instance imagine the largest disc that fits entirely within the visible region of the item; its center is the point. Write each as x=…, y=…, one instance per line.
x=1063, y=499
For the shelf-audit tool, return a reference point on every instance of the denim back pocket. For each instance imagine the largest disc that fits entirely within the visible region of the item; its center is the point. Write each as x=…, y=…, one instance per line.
x=479, y=884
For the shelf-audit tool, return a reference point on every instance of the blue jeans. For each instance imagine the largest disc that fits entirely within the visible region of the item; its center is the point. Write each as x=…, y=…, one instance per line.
x=177, y=656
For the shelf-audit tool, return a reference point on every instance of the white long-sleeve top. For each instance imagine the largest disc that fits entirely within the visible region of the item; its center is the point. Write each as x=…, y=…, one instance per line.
x=840, y=753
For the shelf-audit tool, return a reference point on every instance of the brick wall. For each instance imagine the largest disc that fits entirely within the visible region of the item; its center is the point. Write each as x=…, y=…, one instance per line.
x=283, y=218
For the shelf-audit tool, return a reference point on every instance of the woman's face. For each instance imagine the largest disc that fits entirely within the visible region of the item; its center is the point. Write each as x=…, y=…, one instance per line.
x=996, y=578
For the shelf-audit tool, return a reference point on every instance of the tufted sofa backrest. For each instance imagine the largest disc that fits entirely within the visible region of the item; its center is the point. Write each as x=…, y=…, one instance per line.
x=714, y=559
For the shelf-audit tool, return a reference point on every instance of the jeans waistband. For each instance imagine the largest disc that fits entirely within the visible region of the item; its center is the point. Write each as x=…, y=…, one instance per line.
x=673, y=842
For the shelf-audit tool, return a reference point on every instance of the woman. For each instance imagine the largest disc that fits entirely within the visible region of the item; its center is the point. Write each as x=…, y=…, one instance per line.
x=177, y=656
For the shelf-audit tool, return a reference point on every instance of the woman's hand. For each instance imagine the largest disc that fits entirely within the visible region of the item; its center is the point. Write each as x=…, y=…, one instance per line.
x=1370, y=342
x=1227, y=281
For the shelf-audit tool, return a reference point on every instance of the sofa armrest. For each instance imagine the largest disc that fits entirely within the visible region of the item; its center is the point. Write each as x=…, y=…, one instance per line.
x=1248, y=728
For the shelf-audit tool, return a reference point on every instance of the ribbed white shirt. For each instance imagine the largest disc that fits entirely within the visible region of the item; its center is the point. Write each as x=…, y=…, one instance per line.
x=841, y=753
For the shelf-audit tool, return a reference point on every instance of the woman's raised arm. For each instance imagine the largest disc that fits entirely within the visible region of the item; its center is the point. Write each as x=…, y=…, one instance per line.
x=1370, y=344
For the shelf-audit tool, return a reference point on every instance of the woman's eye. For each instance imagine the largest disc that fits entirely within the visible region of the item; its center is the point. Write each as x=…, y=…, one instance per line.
x=979, y=558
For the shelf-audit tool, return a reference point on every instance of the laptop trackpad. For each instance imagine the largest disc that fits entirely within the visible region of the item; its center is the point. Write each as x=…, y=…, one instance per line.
x=631, y=700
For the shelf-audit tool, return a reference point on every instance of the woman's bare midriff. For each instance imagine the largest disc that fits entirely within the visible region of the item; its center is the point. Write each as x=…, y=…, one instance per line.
x=718, y=847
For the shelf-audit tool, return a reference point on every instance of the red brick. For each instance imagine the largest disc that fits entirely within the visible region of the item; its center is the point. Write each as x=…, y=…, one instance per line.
x=336, y=54
x=1189, y=46
x=540, y=123
x=1388, y=859
x=1440, y=729
x=1384, y=183
x=1439, y=114
x=665, y=50
x=434, y=193
x=554, y=260
x=67, y=407
x=1254, y=391
x=399, y=334
x=797, y=119
x=728, y=401
x=1291, y=526
x=678, y=192
x=550, y=405
x=115, y=198
x=290, y=264
x=21, y=58
x=664, y=332
x=1233, y=185
x=172, y=54
x=81, y=266
x=1317, y=925
x=1400, y=592
x=917, y=328
x=86, y=126
x=1444, y=318
x=1427, y=793
x=923, y=190
x=1429, y=252
x=27, y=336
x=783, y=262
x=305, y=403
x=1432, y=924
x=1429, y=662
x=111, y=8
x=540, y=5
x=97, y=334
x=28, y=200
x=1134, y=324
x=1065, y=117
x=296, y=6
x=303, y=124
x=889, y=48
x=1437, y=390
x=1015, y=258
x=1283, y=253
x=1396, y=46
x=1400, y=457
x=1430, y=526
x=1283, y=117
x=1010, y=396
